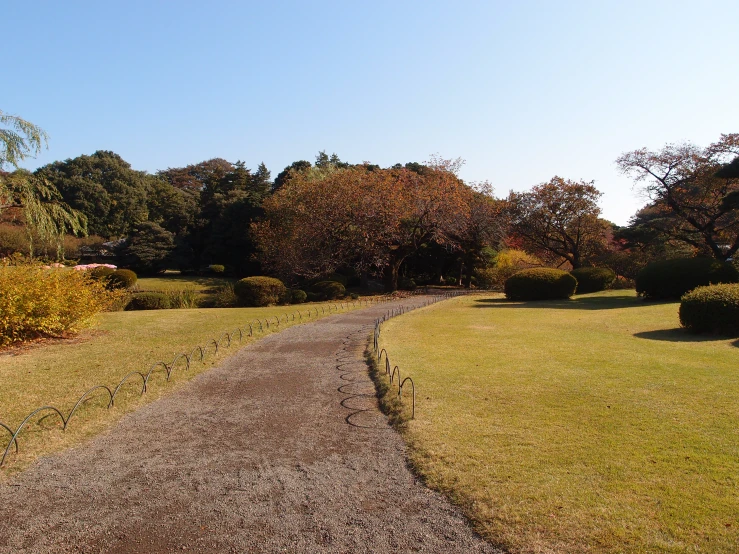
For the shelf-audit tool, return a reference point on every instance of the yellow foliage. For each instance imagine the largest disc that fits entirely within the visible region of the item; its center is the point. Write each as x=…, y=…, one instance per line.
x=37, y=302
x=507, y=262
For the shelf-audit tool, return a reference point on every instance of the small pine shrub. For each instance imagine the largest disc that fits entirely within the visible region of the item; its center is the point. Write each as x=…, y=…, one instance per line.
x=259, y=291
x=673, y=278
x=122, y=279
x=101, y=273
x=149, y=301
x=329, y=290
x=217, y=268
x=37, y=302
x=298, y=296
x=354, y=296
x=714, y=308
x=541, y=283
x=593, y=279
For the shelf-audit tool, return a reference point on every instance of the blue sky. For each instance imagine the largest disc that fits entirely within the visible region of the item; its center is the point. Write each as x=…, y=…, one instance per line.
x=522, y=91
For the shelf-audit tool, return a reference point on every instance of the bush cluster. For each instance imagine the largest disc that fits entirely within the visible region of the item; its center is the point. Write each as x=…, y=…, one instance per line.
x=101, y=273
x=541, y=283
x=298, y=296
x=259, y=291
x=217, y=268
x=37, y=302
x=593, y=279
x=329, y=290
x=149, y=301
x=673, y=278
x=713, y=308
x=122, y=279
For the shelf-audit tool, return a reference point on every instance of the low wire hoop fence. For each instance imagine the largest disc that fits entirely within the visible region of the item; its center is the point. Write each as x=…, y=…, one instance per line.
x=393, y=372
x=181, y=360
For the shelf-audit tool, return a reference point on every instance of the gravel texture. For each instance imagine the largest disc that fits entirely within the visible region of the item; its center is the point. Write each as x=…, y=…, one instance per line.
x=279, y=449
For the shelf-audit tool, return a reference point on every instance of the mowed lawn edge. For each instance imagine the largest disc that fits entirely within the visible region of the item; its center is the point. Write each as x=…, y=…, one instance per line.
x=589, y=425
x=57, y=374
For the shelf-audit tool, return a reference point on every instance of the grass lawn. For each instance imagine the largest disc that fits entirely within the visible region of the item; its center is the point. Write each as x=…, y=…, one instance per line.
x=59, y=373
x=173, y=281
x=589, y=425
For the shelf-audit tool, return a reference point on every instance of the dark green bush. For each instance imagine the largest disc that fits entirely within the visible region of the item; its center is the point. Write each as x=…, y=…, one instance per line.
x=354, y=296
x=101, y=273
x=329, y=290
x=122, y=279
x=673, y=278
x=338, y=277
x=407, y=284
x=298, y=296
x=714, y=308
x=149, y=301
x=593, y=279
x=312, y=296
x=259, y=291
x=217, y=268
x=540, y=283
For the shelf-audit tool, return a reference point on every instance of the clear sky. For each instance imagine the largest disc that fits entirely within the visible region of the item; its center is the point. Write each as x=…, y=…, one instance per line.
x=521, y=90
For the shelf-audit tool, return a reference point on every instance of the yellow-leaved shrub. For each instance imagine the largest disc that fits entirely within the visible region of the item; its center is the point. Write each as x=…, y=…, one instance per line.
x=37, y=302
x=506, y=263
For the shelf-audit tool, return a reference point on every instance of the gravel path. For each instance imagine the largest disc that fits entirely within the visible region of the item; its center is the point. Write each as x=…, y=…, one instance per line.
x=279, y=449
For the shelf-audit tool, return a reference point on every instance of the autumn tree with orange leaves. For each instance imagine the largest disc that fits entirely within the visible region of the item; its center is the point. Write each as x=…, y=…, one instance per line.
x=560, y=219
x=362, y=217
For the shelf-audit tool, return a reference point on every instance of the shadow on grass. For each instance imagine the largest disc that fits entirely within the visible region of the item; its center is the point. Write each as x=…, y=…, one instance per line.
x=678, y=334
x=204, y=284
x=576, y=303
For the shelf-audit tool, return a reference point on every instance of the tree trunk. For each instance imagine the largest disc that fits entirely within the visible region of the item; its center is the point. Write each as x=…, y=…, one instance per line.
x=470, y=266
x=390, y=276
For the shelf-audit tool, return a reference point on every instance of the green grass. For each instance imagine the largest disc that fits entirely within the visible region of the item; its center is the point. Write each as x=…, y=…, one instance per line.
x=168, y=282
x=589, y=425
x=58, y=373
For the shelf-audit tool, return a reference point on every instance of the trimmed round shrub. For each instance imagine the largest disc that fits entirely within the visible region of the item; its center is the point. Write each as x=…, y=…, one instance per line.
x=593, y=279
x=298, y=296
x=329, y=290
x=673, y=278
x=217, y=268
x=312, y=297
x=101, y=273
x=540, y=283
x=122, y=279
x=259, y=291
x=149, y=301
x=714, y=308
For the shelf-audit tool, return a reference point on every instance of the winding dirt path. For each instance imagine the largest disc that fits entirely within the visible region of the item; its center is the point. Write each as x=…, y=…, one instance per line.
x=279, y=449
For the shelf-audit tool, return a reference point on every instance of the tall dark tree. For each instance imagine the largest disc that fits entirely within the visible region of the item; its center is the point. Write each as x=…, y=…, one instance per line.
x=175, y=209
x=104, y=188
x=293, y=169
x=148, y=248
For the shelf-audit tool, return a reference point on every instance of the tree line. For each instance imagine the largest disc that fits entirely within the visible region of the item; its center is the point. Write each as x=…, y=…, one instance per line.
x=412, y=222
